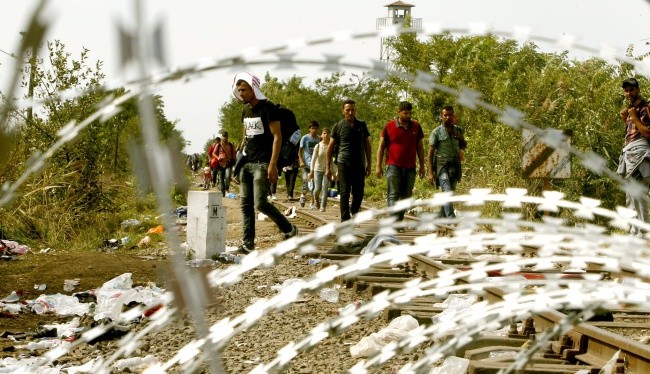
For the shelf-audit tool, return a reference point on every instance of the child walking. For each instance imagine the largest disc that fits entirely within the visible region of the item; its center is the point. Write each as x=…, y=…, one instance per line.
x=317, y=171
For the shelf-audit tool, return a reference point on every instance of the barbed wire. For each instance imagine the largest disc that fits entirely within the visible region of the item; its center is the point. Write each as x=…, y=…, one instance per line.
x=559, y=243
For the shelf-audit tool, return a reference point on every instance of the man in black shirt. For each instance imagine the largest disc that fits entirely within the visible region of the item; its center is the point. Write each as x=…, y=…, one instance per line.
x=351, y=138
x=263, y=140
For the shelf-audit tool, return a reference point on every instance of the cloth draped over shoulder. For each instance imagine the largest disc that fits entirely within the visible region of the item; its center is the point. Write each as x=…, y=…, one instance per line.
x=635, y=157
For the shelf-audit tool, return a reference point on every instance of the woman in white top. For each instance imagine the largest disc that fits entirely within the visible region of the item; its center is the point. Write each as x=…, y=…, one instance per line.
x=317, y=170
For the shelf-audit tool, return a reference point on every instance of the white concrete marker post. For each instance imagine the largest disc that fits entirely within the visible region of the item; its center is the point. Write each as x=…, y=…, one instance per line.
x=206, y=223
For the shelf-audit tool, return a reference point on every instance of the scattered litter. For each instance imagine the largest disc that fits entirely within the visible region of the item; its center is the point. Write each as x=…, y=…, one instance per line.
x=64, y=330
x=60, y=304
x=85, y=368
x=330, y=295
x=40, y=287
x=290, y=212
x=144, y=242
x=135, y=363
x=130, y=223
x=42, y=344
x=10, y=247
x=46, y=250
x=228, y=258
x=12, y=297
x=181, y=211
x=314, y=261
x=261, y=216
x=379, y=241
x=111, y=244
x=287, y=283
x=12, y=308
x=396, y=330
x=455, y=302
x=452, y=365
x=348, y=308
x=156, y=230
x=115, y=293
x=231, y=195
x=201, y=262
x=70, y=284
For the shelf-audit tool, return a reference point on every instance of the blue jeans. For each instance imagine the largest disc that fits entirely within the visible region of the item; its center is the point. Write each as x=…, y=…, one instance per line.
x=253, y=191
x=352, y=180
x=305, y=181
x=447, y=185
x=399, y=183
x=225, y=175
x=321, y=183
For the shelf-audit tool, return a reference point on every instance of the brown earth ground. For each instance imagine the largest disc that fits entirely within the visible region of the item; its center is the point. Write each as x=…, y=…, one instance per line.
x=94, y=268
x=255, y=345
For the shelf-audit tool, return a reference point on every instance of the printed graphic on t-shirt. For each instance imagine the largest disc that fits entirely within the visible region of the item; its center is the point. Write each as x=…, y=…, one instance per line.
x=253, y=126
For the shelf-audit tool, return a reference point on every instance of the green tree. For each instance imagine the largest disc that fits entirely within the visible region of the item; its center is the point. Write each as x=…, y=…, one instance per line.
x=549, y=88
x=87, y=176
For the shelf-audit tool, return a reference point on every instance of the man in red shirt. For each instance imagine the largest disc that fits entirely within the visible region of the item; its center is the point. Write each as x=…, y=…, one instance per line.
x=400, y=142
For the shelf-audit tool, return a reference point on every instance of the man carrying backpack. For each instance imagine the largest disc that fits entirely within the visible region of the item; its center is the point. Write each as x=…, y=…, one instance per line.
x=402, y=141
x=261, y=126
x=350, y=145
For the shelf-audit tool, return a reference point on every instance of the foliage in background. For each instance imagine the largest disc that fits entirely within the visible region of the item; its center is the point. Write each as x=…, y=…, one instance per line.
x=550, y=88
x=87, y=188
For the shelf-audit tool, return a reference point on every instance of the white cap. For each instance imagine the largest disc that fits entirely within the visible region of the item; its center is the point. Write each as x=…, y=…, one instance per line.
x=252, y=81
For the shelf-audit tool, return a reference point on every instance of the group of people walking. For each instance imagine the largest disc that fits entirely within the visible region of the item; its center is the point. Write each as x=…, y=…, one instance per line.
x=221, y=160
x=342, y=154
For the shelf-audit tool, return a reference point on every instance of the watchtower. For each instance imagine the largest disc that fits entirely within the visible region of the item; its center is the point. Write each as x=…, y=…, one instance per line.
x=398, y=13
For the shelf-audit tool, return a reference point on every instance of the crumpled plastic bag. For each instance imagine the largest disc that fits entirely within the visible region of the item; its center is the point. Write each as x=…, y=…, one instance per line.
x=117, y=292
x=156, y=230
x=452, y=365
x=396, y=330
x=60, y=304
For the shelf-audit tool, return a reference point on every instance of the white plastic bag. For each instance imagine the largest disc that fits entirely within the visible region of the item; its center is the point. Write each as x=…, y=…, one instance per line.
x=452, y=365
x=396, y=330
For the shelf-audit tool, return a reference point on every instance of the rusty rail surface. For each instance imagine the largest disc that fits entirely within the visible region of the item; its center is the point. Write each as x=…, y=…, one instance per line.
x=585, y=346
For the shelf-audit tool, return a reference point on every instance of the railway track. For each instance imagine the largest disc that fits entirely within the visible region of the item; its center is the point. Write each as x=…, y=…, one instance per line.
x=560, y=336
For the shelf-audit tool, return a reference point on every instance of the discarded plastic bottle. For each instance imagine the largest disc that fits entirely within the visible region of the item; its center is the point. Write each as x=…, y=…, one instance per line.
x=330, y=295
x=229, y=258
x=348, y=308
x=43, y=344
x=124, y=240
x=314, y=261
x=135, y=362
x=201, y=262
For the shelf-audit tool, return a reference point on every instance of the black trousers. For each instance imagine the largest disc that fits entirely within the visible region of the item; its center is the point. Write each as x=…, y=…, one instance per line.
x=352, y=181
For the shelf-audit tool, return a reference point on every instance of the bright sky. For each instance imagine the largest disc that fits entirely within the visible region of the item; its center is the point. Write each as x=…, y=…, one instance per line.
x=198, y=29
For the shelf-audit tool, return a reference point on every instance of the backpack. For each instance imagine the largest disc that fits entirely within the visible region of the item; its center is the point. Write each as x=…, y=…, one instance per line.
x=290, y=136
